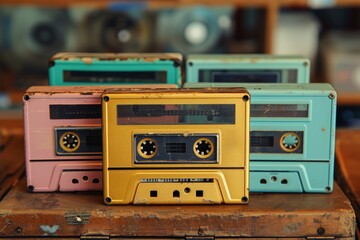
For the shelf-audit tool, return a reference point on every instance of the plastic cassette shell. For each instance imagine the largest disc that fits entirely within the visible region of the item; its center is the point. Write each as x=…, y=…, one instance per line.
x=309, y=170
x=232, y=164
x=196, y=63
x=170, y=63
x=46, y=170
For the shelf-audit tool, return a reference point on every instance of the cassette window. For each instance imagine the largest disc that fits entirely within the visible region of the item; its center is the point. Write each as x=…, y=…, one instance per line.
x=280, y=110
x=78, y=141
x=75, y=111
x=176, y=114
x=176, y=148
x=249, y=76
x=116, y=76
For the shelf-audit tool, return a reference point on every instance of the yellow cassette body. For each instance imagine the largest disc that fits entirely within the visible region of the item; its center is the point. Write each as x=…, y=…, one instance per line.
x=188, y=146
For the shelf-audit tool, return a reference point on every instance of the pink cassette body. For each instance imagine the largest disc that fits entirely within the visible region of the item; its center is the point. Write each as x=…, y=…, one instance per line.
x=63, y=142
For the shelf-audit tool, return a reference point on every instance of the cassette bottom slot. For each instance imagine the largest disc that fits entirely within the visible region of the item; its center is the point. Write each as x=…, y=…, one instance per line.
x=81, y=181
x=275, y=181
x=272, y=176
x=64, y=176
x=191, y=192
x=176, y=187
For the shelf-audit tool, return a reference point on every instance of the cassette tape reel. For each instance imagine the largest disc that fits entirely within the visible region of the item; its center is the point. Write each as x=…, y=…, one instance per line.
x=174, y=150
x=120, y=30
x=78, y=141
x=31, y=35
x=194, y=29
x=292, y=136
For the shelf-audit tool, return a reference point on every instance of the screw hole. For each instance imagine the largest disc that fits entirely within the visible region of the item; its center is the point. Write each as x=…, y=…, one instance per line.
x=106, y=99
x=273, y=178
x=320, y=231
x=187, y=190
x=26, y=97
x=85, y=178
x=191, y=64
x=244, y=199
x=107, y=200
x=31, y=188
x=246, y=98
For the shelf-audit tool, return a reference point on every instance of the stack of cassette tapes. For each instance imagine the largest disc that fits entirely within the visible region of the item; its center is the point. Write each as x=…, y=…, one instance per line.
x=119, y=123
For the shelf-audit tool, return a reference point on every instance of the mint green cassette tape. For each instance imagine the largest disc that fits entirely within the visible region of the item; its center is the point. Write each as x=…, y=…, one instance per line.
x=292, y=136
x=247, y=68
x=80, y=69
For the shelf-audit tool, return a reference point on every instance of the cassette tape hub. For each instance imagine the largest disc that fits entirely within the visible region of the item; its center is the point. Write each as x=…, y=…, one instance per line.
x=292, y=136
x=177, y=146
x=247, y=68
x=81, y=69
x=63, y=137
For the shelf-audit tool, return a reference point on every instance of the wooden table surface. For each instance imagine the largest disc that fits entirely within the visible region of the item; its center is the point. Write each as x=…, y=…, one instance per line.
x=83, y=214
x=267, y=215
x=348, y=165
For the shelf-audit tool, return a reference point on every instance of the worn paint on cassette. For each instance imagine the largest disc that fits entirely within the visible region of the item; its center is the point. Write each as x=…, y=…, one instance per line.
x=237, y=68
x=176, y=146
x=77, y=69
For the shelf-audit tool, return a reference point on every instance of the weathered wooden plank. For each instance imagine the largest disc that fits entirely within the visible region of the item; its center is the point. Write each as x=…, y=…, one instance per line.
x=267, y=215
x=348, y=165
x=11, y=158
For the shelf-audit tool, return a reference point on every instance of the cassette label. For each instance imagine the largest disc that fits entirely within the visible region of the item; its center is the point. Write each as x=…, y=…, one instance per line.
x=164, y=131
x=292, y=136
x=247, y=69
x=80, y=69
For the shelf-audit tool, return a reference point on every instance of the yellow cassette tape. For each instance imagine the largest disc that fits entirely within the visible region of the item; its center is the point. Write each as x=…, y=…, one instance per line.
x=176, y=146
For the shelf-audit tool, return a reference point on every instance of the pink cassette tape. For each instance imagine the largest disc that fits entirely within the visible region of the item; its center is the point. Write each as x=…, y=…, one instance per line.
x=63, y=137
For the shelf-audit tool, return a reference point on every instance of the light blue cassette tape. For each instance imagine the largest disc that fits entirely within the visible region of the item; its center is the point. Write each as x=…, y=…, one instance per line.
x=292, y=136
x=247, y=68
x=80, y=69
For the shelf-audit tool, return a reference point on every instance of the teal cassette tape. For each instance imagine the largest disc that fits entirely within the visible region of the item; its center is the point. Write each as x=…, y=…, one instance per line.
x=247, y=68
x=79, y=69
x=292, y=136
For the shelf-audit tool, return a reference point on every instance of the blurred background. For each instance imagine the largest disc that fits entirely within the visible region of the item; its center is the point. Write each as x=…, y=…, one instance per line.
x=325, y=31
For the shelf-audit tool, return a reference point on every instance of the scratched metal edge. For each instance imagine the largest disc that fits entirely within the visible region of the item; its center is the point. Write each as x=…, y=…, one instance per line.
x=188, y=223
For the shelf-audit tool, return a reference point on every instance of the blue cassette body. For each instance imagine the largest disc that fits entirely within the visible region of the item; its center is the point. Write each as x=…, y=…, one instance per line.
x=292, y=136
x=257, y=68
x=81, y=69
